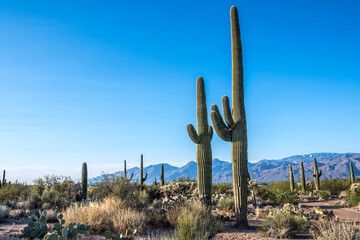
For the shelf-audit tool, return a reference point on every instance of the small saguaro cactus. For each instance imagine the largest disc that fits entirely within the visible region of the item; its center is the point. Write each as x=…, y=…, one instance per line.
x=302, y=177
x=155, y=182
x=234, y=130
x=291, y=178
x=125, y=172
x=317, y=175
x=3, y=183
x=202, y=139
x=142, y=179
x=84, y=177
x=162, y=180
x=352, y=175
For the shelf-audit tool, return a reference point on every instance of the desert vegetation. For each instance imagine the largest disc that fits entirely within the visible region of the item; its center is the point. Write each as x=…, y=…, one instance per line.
x=120, y=207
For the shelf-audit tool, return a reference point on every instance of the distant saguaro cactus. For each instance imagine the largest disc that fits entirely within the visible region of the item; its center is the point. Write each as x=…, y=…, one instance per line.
x=291, y=178
x=317, y=175
x=142, y=179
x=125, y=172
x=352, y=175
x=202, y=139
x=302, y=177
x=162, y=180
x=84, y=178
x=234, y=130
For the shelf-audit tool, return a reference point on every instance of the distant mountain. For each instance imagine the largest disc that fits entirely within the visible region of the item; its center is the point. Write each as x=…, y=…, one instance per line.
x=333, y=165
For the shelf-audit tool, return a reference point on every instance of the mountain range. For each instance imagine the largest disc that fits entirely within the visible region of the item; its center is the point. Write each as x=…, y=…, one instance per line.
x=333, y=165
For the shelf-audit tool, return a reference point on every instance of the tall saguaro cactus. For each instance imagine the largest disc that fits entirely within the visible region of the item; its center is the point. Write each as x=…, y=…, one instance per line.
x=202, y=139
x=234, y=130
x=291, y=178
x=125, y=172
x=352, y=175
x=162, y=177
x=84, y=178
x=302, y=177
x=142, y=179
x=317, y=175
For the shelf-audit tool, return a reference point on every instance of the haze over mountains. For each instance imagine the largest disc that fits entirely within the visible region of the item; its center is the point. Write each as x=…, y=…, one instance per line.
x=333, y=165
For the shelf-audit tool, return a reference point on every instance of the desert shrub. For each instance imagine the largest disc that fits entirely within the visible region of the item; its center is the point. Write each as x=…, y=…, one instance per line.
x=279, y=197
x=185, y=179
x=4, y=213
x=17, y=213
x=282, y=186
x=49, y=199
x=51, y=216
x=352, y=199
x=119, y=187
x=155, y=215
x=221, y=187
x=284, y=224
x=108, y=215
x=335, y=186
x=12, y=192
x=226, y=204
x=332, y=230
x=323, y=194
x=195, y=222
x=175, y=189
x=153, y=192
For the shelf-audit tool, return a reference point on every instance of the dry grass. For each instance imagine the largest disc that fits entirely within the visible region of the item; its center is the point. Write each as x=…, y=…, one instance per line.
x=332, y=230
x=17, y=213
x=107, y=215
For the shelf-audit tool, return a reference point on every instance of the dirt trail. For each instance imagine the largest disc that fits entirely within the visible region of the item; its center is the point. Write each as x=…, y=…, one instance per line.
x=345, y=214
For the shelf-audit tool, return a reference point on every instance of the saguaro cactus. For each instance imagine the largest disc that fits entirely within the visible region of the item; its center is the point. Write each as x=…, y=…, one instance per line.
x=125, y=172
x=234, y=130
x=317, y=175
x=142, y=179
x=202, y=139
x=352, y=175
x=291, y=178
x=302, y=177
x=162, y=180
x=84, y=178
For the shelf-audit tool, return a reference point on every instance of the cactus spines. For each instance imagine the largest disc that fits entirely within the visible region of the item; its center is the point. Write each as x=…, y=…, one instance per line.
x=84, y=178
x=234, y=130
x=125, y=172
x=352, y=175
x=162, y=180
x=202, y=139
x=291, y=178
x=317, y=175
x=302, y=177
x=142, y=179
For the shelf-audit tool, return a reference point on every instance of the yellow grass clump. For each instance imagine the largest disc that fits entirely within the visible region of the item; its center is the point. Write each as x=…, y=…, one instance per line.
x=107, y=215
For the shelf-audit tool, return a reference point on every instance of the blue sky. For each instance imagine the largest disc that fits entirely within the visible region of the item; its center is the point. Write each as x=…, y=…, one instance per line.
x=106, y=81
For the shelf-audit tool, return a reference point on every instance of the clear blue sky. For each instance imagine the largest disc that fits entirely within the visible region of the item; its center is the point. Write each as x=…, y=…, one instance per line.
x=106, y=81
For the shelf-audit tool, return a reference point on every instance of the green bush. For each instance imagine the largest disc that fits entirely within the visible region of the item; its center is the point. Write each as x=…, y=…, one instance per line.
x=279, y=197
x=284, y=224
x=128, y=192
x=283, y=186
x=195, y=222
x=335, y=186
x=221, y=187
x=352, y=199
x=323, y=194
x=12, y=192
x=153, y=192
x=226, y=204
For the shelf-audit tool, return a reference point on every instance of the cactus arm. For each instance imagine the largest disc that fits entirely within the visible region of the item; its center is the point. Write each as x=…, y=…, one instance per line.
x=223, y=133
x=211, y=132
x=320, y=172
x=227, y=112
x=215, y=109
x=192, y=133
x=144, y=179
x=131, y=177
